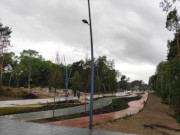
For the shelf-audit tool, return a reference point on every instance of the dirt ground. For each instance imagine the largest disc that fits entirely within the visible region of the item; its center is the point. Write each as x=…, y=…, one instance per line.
x=3, y=98
x=152, y=120
x=39, y=92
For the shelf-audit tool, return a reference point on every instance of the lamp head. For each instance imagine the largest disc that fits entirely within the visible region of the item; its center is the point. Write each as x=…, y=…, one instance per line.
x=85, y=21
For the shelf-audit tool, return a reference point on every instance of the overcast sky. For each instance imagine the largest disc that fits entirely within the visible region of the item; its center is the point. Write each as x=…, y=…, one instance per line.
x=131, y=32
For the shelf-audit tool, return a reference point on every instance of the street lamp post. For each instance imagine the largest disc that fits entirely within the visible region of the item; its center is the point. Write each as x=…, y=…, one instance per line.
x=92, y=70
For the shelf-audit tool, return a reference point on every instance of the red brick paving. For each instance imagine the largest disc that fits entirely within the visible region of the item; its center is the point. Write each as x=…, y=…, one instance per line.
x=134, y=107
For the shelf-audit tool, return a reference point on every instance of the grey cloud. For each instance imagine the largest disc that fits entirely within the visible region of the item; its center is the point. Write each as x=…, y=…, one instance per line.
x=132, y=31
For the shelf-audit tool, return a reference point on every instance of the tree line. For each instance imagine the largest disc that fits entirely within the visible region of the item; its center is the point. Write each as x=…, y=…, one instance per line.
x=166, y=80
x=30, y=69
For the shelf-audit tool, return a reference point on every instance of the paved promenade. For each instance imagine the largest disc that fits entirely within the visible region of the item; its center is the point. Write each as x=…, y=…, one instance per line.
x=12, y=127
x=134, y=107
x=12, y=103
x=57, y=112
x=60, y=112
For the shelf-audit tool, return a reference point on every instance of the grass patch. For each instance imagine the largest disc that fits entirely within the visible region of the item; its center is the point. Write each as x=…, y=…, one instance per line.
x=16, y=110
x=126, y=116
x=116, y=105
x=119, y=104
x=96, y=124
x=178, y=119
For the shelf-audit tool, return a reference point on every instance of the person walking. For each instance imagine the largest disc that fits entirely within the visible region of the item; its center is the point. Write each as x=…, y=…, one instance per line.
x=78, y=94
x=74, y=93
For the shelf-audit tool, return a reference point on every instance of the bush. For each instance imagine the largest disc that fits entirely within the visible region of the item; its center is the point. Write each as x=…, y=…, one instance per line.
x=33, y=86
x=164, y=101
x=9, y=89
x=16, y=110
x=178, y=119
x=6, y=90
x=30, y=96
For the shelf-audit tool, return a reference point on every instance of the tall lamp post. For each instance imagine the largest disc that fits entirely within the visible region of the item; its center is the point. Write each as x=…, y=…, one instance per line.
x=92, y=70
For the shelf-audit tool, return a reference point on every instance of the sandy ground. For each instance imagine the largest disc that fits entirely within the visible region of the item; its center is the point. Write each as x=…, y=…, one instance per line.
x=3, y=98
x=152, y=120
x=39, y=92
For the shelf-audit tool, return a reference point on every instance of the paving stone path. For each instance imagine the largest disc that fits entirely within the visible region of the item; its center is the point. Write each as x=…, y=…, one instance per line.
x=134, y=107
x=12, y=127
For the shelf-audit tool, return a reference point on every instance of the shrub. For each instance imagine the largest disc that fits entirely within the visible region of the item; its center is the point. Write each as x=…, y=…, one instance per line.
x=30, y=96
x=33, y=86
x=164, y=101
x=178, y=119
x=9, y=89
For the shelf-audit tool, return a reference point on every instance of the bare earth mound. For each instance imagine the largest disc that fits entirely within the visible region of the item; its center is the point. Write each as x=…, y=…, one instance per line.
x=153, y=120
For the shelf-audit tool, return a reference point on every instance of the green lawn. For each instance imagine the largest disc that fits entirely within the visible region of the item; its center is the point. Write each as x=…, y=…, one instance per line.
x=15, y=110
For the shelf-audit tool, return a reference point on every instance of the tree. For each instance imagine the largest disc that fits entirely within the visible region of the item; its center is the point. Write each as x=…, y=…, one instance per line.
x=77, y=83
x=124, y=82
x=17, y=73
x=28, y=58
x=96, y=84
x=56, y=76
x=56, y=73
x=8, y=68
x=5, y=33
x=173, y=19
x=106, y=73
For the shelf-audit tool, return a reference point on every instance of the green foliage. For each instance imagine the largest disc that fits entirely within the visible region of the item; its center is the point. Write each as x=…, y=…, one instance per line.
x=173, y=19
x=178, y=119
x=31, y=68
x=165, y=101
x=9, y=89
x=166, y=81
x=77, y=81
x=172, y=23
x=120, y=103
x=106, y=74
x=124, y=82
x=126, y=116
x=56, y=76
x=5, y=33
x=16, y=110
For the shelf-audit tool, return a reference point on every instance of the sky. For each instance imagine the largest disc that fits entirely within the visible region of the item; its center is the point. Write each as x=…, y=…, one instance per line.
x=130, y=32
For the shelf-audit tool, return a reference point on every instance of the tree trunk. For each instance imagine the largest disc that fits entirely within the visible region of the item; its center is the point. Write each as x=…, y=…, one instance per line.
x=1, y=87
x=177, y=36
x=29, y=77
x=1, y=65
x=54, y=101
